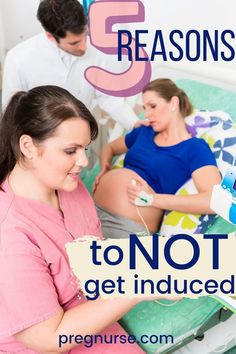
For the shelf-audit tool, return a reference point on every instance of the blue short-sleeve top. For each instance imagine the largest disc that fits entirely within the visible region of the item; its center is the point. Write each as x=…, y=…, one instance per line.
x=165, y=168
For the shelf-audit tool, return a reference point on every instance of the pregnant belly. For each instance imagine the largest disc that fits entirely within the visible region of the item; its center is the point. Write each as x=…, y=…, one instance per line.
x=111, y=194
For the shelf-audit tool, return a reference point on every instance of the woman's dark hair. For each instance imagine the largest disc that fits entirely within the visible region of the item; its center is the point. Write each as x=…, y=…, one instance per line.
x=59, y=16
x=37, y=113
x=166, y=89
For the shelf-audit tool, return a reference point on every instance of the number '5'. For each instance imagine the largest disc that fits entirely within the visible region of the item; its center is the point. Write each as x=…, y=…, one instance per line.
x=102, y=15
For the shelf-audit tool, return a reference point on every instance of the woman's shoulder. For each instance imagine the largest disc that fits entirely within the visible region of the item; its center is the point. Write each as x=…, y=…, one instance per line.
x=17, y=233
x=144, y=131
x=8, y=213
x=200, y=154
x=146, y=128
x=137, y=134
x=199, y=143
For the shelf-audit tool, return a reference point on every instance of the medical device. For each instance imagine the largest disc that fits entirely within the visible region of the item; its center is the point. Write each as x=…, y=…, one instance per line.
x=223, y=198
x=229, y=182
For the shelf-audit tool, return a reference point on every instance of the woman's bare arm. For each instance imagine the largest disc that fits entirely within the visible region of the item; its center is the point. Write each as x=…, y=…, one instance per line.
x=204, y=179
x=86, y=319
x=110, y=150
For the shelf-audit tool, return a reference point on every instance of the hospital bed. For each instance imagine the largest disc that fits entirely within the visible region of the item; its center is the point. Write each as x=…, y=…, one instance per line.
x=188, y=319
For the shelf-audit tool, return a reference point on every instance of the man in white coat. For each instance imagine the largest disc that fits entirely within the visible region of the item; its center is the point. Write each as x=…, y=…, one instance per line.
x=59, y=56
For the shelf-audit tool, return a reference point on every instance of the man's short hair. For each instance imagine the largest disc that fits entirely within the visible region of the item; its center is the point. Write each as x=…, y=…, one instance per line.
x=59, y=16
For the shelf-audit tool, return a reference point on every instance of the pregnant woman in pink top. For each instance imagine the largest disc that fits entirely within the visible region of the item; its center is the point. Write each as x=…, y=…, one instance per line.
x=43, y=205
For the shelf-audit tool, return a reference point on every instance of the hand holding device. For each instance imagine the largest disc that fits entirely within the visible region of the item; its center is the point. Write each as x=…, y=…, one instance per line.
x=143, y=198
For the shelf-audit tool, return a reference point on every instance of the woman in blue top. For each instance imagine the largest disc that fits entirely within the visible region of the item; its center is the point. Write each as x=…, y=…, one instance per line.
x=160, y=158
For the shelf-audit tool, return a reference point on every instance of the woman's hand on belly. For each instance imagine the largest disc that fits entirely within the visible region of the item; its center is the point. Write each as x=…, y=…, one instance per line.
x=137, y=186
x=104, y=170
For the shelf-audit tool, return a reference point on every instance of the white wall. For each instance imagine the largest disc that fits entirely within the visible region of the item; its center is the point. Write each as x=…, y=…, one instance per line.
x=20, y=20
x=2, y=34
x=2, y=42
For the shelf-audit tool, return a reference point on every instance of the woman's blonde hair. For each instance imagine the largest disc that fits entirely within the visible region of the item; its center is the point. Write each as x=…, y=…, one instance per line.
x=166, y=89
